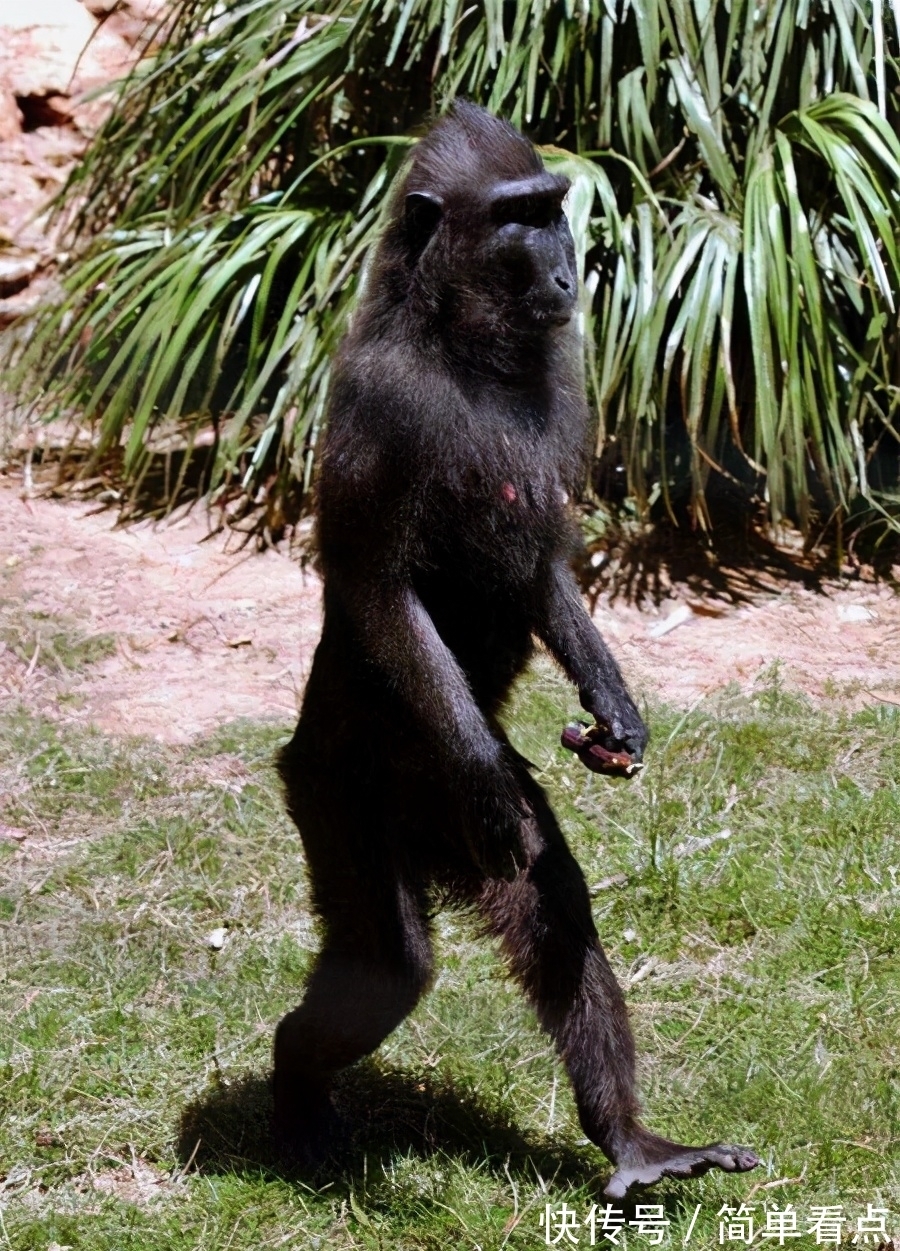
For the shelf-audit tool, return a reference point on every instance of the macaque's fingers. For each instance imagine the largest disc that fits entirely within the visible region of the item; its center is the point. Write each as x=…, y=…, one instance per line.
x=583, y=740
x=573, y=736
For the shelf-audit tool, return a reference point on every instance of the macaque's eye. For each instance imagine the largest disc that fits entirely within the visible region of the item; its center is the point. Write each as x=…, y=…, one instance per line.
x=529, y=210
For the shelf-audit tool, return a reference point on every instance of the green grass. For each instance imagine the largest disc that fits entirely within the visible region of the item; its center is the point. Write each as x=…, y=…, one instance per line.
x=765, y=997
x=60, y=646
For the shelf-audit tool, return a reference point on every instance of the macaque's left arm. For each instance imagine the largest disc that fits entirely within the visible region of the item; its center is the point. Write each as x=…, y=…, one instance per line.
x=570, y=635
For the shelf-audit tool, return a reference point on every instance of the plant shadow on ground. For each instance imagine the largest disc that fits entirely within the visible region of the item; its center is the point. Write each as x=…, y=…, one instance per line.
x=733, y=565
x=175, y=472
x=736, y=557
x=384, y=1112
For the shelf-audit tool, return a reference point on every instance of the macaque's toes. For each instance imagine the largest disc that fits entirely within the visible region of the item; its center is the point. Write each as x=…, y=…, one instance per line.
x=681, y=1163
x=732, y=1159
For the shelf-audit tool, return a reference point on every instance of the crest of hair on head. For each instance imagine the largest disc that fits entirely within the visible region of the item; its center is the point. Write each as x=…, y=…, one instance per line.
x=467, y=150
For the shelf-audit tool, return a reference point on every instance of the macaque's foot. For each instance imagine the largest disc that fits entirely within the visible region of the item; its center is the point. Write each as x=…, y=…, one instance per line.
x=598, y=750
x=653, y=1158
x=305, y=1126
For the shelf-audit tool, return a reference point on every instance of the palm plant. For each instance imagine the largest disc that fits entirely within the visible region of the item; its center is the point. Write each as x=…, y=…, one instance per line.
x=736, y=178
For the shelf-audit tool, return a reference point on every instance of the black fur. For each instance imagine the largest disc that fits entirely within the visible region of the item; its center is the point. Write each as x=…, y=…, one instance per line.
x=456, y=437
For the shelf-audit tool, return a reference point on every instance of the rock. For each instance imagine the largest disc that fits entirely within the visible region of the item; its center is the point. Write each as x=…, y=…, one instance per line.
x=147, y=10
x=41, y=45
x=17, y=308
x=679, y=616
x=16, y=273
x=21, y=193
x=50, y=152
x=849, y=614
x=10, y=116
x=55, y=48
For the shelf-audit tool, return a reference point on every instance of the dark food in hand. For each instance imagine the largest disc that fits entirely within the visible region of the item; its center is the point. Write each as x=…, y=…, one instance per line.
x=589, y=742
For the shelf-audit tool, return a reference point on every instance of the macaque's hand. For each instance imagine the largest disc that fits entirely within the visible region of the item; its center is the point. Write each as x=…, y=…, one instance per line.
x=599, y=750
x=618, y=726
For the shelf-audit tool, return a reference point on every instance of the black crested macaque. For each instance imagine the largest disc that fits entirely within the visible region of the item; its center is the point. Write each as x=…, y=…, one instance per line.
x=456, y=438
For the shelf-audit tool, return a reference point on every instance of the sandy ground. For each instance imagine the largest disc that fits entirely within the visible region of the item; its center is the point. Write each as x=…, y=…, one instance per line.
x=205, y=632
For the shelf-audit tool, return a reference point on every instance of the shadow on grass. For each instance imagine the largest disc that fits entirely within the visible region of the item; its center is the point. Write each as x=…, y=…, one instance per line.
x=385, y=1113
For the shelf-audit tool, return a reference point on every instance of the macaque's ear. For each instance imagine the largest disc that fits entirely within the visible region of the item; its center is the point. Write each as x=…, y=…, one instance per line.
x=423, y=211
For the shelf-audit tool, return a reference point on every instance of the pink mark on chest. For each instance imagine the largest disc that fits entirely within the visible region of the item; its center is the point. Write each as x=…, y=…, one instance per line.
x=509, y=493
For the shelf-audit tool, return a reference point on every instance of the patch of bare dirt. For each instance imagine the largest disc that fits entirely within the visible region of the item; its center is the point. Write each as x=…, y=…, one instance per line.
x=138, y=1183
x=203, y=633
x=840, y=639
x=200, y=633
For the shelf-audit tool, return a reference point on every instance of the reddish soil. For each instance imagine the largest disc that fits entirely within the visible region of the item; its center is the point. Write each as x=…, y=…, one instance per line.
x=205, y=632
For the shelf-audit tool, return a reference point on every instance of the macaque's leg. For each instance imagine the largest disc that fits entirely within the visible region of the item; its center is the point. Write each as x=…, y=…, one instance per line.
x=543, y=919
x=374, y=965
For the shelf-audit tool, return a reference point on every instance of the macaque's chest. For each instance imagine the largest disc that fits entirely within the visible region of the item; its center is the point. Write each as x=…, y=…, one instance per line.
x=495, y=525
